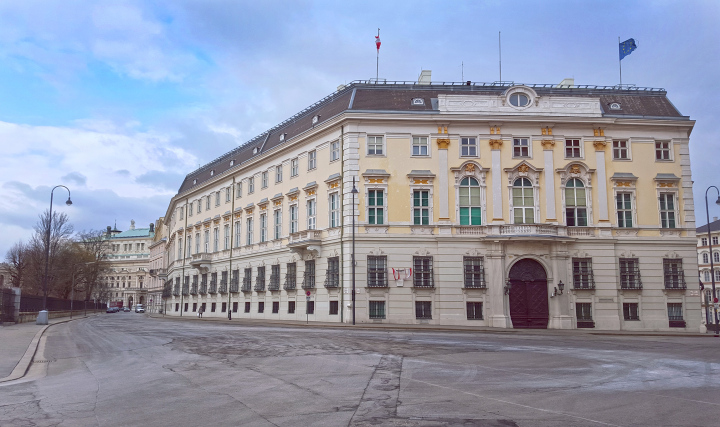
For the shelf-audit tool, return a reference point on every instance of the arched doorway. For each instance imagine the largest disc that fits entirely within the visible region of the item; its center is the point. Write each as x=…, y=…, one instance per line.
x=142, y=299
x=528, y=295
x=130, y=302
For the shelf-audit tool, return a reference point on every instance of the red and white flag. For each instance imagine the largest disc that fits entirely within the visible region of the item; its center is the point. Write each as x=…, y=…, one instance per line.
x=377, y=42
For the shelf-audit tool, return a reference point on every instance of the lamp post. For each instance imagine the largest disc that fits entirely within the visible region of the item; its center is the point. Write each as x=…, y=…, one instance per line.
x=712, y=268
x=47, y=246
x=354, y=192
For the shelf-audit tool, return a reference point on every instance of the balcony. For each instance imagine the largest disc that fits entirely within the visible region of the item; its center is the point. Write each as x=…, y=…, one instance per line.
x=260, y=284
x=290, y=283
x=247, y=285
x=528, y=230
x=274, y=283
x=203, y=289
x=176, y=290
x=213, y=287
x=186, y=290
x=159, y=272
x=194, y=289
x=201, y=261
x=234, y=286
x=308, y=240
x=308, y=282
x=223, y=286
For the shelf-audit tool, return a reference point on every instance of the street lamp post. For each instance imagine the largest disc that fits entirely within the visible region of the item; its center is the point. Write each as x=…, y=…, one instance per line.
x=712, y=268
x=47, y=248
x=354, y=192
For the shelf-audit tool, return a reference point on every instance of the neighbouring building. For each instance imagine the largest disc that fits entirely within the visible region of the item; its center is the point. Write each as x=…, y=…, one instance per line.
x=704, y=269
x=157, y=268
x=499, y=205
x=129, y=256
x=5, y=278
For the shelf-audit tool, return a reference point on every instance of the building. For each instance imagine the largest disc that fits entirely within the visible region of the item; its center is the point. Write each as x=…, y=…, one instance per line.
x=5, y=278
x=157, y=268
x=704, y=269
x=498, y=205
x=129, y=257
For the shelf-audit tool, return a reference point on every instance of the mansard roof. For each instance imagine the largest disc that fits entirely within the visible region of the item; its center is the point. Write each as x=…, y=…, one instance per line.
x=397, y=97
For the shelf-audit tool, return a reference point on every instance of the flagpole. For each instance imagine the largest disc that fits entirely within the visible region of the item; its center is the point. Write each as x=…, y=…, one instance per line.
x=620, y=61
x=377, y=62
x=500, y=52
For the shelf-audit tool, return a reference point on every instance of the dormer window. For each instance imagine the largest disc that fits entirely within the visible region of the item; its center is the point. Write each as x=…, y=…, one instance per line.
x=194, y=181
x=519, y=100
x=418, y=101
x=212, y=172
x=255, y=150
x=615, y=106
x=315, y=119
x=232, y=162
x=282, y=137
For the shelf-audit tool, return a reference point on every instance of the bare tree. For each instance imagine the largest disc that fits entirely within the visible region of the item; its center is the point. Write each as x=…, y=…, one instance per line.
x=96, y=248
x=17, y=261
x=59, y=242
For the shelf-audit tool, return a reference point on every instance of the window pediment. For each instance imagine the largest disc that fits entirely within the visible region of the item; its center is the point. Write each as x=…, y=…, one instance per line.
x=524, y=170
x=469, y=168
x=576, y=170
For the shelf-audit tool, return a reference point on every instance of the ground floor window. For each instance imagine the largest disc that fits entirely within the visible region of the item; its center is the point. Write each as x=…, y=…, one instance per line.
x=583, y=313
x=185, y=307
x=423, y=309
x=247, y=307
x=474, y=311
x=203, y=307
x=631, y=311
x=276, y=306
x=235, y=307
x=194, y=307
x=224, y=307
x=291, y=307
x=213, y=306
x=261, y=307
x=675, y=315
x=333, y=307
x=377, y=309
x=177, y=306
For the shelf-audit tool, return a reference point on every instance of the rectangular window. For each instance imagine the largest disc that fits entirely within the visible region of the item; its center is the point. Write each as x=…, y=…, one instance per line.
x=309, y=276
x=377, y=271
x=290, y=276
x=249, y=232
x=188, y=245
x=620, y=150
x=207, y=203
x=294, y=167
x=223, y=308
x=310, y=307
x=311, y=214
x=177, y=306
x=251, y=185
x=217, y=198
x=260, y=279
x=667, y=210
x=194, y=308
x=247, y=306
x=182, y=215
x=624, y=209
x=235, y=307
x=420, y=146
x=227, y=194
x=274, y=277
x=474, y=272
x=261, y=307
x=291, y=307
x=185, y=307
x=715, y=240
x=662, y=150
x=334, y=151
x=264, y=179
x=238, y=190
x=583, y=274
x=237, y=234
x=630, y=274
x=199, y=209
x=572, y=148
x=278, y=174
x=376, y=207
x=191, y=209
x=276, y=307
x=180, y=249
x=474, y=310
x=332, y=279
x=216, y=239
x=247, y=280
x=377, y=309
x=704, y=241
x=521, y=147
x=293, y=219
x=226, y=237
x=421, y=209
x=631, y=311
x=263, y=227
x=675, y=315
x=333, y=307
x=334, y=210
x=423, y=272
x=583, y=313
x=673, y=273
x=468, y=147
x=213, y=306
x=423, y=309
x=375, y=146
x=312, y=160
x=277, y=218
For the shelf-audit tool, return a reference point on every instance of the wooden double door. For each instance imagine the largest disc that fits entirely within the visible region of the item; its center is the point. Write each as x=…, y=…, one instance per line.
x=529, y=307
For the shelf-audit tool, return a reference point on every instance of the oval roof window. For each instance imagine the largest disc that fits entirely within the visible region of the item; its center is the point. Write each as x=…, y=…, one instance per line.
x=518, y=99
x=615, y=106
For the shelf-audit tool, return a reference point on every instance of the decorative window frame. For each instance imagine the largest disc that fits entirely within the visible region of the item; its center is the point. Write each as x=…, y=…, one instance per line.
x=668, y=183
x=422, y=180
x=292, y=196
x=629, y=150
x=582, y=172
x=533, y=97
x=582, y=148
x=429, y=146
x=335, y=151
x=376, y=179
x=530, y=146
x=477, y=147
x=384, y=145
x=524, y=170
x=625, y=183
x=471, y=169
x=334, y=183
x=278, y=173
x=311, y=194
x=671, y=148
x=294, y=167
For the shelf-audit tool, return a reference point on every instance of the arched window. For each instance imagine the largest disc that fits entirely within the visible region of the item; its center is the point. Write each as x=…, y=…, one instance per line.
x=523, y=202
x=717, y=275
x=706, y=258
x=707, y=276
x=469, y=202
x=575, y=204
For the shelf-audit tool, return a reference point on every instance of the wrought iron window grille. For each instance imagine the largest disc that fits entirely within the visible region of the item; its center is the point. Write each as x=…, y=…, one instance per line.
x=630, y=274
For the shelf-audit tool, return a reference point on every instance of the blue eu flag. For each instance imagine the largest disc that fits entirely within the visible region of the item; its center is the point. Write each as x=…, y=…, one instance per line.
x=627, y=47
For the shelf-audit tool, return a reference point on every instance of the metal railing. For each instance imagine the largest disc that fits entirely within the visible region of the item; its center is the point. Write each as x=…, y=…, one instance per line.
x=290, y=283
x=234, y=286
x=247, y=284
x=274, y=282
x=194, y=289
x=213, y=287
x=223, y=287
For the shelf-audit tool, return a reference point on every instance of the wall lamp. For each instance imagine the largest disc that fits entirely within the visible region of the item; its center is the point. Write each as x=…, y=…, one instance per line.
x=508, y=286
x=558, y=289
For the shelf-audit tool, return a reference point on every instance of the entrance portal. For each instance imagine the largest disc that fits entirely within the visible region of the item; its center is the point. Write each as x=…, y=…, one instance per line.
x=528, y=295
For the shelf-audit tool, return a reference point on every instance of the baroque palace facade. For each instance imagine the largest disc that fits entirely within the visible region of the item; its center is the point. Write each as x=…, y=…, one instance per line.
x=128, y=258
x=498, y=205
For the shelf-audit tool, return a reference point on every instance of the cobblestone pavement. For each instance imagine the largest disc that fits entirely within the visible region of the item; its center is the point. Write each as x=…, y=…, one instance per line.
x=130, y=369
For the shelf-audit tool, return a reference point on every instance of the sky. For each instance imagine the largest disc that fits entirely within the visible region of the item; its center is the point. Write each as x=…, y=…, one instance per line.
x=119, y=100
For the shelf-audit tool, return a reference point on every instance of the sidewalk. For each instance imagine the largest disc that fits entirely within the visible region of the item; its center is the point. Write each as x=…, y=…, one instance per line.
x=19, y=343
x=426, y=327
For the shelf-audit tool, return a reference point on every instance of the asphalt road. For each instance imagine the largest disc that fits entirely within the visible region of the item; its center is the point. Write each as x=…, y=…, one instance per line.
x=128, y=369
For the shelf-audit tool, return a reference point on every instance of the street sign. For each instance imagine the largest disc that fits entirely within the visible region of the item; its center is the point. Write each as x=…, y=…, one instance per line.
x=307, y=294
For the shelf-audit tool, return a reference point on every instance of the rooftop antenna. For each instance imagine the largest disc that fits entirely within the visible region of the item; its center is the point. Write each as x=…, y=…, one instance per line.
x=500, y=55
x=462, y=71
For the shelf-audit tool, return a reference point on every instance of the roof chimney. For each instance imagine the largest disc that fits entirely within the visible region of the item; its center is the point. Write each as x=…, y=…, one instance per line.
x=714, y=218
x=567, y=83
x=152, y=227
x=132, y=224
x=424, y=78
